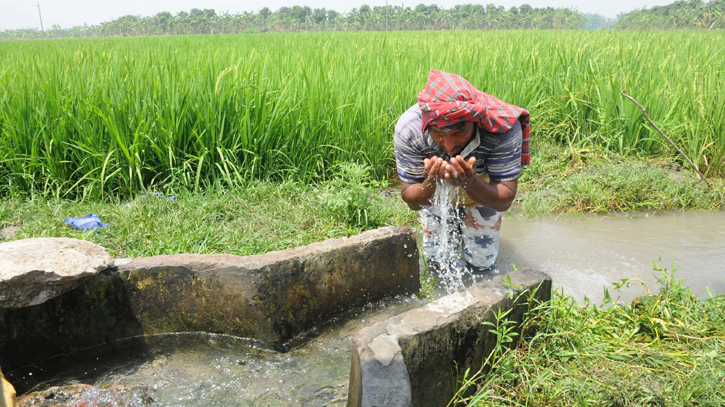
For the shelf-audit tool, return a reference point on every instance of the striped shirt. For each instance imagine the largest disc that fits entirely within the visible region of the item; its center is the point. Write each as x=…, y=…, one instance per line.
x=497, y=154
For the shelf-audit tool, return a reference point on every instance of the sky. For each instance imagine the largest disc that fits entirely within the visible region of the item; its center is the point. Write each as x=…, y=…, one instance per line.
x=16, y=14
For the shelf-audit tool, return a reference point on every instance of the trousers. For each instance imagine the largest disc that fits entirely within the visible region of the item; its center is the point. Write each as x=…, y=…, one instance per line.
x=476, y=229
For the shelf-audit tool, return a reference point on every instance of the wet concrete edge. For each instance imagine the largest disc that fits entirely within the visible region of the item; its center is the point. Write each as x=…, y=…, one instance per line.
x=412, y=359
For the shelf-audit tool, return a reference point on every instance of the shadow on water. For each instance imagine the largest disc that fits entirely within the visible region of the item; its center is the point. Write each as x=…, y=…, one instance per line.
x=98, y=311
x=82, y=366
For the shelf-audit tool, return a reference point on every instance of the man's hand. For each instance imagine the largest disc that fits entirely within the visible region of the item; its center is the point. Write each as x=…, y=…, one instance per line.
x=460, y=172
x=433, y=170
x=419, y=195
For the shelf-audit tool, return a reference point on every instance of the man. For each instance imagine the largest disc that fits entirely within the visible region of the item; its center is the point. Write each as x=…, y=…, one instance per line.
x=459, y=135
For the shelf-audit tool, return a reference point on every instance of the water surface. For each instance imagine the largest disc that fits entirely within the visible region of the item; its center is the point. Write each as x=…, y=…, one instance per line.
x=199, y=369
x=584, y=254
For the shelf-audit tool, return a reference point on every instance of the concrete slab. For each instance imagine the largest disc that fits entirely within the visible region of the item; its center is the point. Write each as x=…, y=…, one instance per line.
x=411, y=359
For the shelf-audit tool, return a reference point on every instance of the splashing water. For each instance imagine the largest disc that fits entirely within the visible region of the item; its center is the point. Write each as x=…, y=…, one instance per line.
x=446, y=240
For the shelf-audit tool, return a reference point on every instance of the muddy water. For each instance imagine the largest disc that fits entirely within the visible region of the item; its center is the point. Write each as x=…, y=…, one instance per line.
x=582, y=254
x=585, y=254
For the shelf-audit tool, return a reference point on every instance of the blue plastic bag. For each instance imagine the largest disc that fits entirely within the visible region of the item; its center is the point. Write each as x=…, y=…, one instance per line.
x=89, y=221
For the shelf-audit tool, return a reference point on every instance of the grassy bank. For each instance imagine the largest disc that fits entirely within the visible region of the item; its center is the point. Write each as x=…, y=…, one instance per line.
x=116, y=116
x=257, y=218
x=262, y=216
x=662, y=350
x=595, y=180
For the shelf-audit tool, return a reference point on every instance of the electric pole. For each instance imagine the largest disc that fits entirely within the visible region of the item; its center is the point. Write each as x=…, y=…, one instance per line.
x=387, y=14
x=41, y=19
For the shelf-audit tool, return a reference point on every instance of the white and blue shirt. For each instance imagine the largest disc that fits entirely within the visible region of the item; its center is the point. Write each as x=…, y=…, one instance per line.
x=497, y=154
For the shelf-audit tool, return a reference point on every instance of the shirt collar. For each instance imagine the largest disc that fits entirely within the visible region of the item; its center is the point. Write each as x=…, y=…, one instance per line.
x=472, y=146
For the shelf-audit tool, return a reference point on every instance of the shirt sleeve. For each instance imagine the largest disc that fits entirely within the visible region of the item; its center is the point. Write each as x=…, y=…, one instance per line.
x=504, y=163
x=408, y=159
x=409, y=145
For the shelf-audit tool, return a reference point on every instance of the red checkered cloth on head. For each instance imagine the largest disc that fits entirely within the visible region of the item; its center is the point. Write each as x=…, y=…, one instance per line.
x=449, y=99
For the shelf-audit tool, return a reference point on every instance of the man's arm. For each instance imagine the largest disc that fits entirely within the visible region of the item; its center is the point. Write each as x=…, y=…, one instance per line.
x=496, y=195
x=459, y=172
x=419, y=195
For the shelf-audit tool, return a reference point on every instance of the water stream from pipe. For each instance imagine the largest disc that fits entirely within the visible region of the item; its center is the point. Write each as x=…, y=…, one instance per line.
x=450, y=269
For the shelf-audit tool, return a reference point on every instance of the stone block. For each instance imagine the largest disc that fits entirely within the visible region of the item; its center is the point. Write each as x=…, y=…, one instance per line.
x=411, y=359
x=33, y=271
x=274, y=296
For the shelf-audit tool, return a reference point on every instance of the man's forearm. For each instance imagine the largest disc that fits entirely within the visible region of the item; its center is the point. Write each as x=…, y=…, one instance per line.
x=418, y=195
x=495, y=195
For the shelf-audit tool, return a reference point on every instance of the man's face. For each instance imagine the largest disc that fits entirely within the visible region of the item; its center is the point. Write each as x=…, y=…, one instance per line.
x=452, y=141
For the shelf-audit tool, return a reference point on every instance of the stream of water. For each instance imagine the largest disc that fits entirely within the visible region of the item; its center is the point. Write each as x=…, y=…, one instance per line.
x=451, y=271
x=582, y=254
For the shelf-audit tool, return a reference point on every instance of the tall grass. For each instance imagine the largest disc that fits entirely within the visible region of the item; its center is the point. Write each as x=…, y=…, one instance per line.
x=665, y=349
x=99, y=117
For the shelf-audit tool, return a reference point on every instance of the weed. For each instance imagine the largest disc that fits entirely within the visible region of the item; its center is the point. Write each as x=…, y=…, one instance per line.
x=664, y=349
x=354, y=199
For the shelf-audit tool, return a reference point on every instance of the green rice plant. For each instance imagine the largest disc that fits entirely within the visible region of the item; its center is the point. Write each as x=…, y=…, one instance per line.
x=109, y=117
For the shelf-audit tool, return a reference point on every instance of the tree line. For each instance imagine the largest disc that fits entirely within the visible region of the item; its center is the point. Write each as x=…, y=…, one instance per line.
x=683, y=14
x=302, y=18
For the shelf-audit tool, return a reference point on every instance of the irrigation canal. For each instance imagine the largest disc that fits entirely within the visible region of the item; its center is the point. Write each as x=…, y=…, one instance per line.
x=582, y=254
x=585, y=254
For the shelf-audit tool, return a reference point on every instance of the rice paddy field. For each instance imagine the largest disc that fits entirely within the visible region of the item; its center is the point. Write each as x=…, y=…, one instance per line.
x=98, y=118
x=296, y=130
